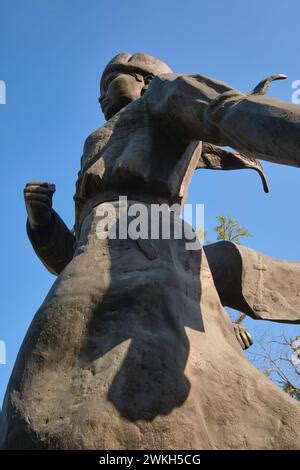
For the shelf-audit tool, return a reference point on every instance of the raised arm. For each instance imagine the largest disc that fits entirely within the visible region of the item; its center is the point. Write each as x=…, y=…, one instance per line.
x=201, y=108
x=260, y=286
x=51, y=239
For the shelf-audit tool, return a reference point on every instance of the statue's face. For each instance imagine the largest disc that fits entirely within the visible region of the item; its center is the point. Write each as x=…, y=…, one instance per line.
x=120, y=90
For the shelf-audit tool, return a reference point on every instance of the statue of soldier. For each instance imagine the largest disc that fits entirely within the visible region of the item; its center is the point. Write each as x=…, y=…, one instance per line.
x=132, y=347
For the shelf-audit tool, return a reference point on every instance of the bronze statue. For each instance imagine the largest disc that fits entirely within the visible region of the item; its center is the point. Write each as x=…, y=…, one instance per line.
x=132, y=348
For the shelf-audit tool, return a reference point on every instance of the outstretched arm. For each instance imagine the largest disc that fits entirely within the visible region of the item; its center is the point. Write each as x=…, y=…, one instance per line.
x=200, y=108
x=262, y=287
x=51, y=239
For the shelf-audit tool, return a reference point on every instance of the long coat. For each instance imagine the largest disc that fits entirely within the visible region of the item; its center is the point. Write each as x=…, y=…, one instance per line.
x=132, y=347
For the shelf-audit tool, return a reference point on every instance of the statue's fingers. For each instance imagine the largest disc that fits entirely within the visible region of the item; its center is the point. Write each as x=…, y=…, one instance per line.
x=39, y=205
x=245, y=339
x=37, y=190
x=38, y=197
x=36, y=185
x=238, y=337
x=247, y=335
x=249, y=338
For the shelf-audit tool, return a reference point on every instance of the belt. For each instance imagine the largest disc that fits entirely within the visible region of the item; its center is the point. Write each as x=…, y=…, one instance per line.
x=106, y=196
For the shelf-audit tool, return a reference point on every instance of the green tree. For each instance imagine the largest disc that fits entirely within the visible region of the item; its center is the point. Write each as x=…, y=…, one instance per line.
x=229, y=229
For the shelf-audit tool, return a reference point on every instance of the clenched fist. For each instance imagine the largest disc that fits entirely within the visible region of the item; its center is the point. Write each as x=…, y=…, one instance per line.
x=243, y=336
x=38, y=200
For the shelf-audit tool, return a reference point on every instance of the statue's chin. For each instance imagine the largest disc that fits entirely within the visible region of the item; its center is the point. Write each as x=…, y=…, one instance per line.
x=110, y=111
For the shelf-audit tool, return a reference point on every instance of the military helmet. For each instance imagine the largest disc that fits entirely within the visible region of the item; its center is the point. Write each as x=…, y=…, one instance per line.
x=139, y=63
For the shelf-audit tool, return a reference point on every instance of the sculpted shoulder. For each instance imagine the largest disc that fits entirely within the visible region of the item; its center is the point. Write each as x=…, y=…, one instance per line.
x=170, y=96
x=116, y=134
x=93, y=142
x=131, y=116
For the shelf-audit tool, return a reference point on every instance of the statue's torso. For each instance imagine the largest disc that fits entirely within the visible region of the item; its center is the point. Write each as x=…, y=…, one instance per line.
x=133, y=154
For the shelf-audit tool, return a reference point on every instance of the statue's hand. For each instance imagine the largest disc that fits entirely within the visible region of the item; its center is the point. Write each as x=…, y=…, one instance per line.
x=243, y=336
x=38, y=201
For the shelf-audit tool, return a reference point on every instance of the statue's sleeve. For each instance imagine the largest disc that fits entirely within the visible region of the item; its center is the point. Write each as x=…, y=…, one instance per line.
x=260, y=286
x=194, y=107
x=54, y=244
x=260, y=126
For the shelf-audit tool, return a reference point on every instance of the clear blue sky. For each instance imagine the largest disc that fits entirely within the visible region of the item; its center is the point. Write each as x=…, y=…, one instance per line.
x=52, y=54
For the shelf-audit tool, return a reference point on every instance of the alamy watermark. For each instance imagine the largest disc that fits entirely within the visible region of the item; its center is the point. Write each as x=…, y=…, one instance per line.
x=2, y=92
x=136, y=220
x=296, y=93
x=2, y=352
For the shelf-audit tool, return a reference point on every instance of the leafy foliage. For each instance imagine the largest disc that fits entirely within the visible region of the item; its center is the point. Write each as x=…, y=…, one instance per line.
x=229, y=229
